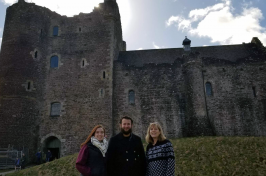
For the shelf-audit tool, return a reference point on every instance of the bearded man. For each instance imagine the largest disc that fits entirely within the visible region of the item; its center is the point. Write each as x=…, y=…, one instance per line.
x=125, y=154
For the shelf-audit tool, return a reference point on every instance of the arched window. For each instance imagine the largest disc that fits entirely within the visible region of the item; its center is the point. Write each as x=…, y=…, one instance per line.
x=54, y=62
x=55, y=109
x=131, y=97
x=55, y=31
x=208, y=89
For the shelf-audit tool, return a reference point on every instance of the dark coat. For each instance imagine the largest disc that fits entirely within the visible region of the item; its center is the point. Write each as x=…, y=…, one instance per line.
x=90, y=161
x=126, y=157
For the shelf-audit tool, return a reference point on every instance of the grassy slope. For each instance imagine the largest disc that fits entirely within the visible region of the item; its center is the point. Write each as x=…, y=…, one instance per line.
x=209, y=156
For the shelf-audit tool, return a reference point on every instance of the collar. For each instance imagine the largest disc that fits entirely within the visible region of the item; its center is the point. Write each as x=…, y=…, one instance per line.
x=121, y=136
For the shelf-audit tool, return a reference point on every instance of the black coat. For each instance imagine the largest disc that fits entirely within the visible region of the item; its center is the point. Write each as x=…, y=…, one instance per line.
x=90, y=161
x=96, y=161
x=126, y=157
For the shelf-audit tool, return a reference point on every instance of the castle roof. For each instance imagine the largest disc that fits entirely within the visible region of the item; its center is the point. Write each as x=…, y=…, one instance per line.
x=230, y=53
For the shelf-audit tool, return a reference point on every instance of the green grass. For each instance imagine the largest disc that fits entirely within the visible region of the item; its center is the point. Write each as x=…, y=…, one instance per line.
x=5, y=170
x=208, y=156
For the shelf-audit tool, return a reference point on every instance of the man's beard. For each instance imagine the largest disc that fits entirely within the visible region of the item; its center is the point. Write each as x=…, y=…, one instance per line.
x=126, y=132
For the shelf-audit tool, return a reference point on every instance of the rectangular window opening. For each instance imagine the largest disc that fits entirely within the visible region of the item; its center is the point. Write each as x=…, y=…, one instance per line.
x=254, y=91
x=29, y=85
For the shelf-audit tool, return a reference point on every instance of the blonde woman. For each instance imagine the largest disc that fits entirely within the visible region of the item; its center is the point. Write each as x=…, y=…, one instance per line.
x=160, y=154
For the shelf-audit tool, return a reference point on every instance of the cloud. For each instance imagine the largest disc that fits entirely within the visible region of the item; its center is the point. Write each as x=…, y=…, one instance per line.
x=155, y=46
x=220, y=24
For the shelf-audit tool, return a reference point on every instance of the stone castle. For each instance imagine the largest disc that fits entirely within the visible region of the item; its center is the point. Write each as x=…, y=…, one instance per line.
x=60, y=76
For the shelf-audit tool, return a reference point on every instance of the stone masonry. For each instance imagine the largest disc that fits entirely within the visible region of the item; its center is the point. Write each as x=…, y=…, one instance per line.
x=95, y=76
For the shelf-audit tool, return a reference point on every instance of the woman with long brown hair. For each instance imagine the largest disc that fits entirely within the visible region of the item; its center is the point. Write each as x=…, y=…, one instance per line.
x=91, y=160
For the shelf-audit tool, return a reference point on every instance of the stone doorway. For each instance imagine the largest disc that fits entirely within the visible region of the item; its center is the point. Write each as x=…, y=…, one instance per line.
x=54, y=145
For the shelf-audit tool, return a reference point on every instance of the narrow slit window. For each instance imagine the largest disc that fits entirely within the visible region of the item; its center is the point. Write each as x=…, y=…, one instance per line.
x=54, y=62
x=41, y=32
x=79, y=29
x=254, y=91
x=208, y=89
x=131, y=97
x=104, y=75
x=29, y=85
x=36, y=54
x=55, y=31
x=55, y=109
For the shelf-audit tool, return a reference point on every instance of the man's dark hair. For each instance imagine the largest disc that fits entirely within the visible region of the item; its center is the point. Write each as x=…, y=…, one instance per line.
x=126, y=117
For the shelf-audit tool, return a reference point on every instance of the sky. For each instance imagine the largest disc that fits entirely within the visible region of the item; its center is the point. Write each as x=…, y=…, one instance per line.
x=155, y=24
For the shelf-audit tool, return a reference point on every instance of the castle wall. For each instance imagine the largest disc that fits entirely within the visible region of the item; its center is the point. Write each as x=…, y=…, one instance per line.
x=158, y=91
x=22, y=75
x=233, y=108
x=86, y=46
x=84, y=93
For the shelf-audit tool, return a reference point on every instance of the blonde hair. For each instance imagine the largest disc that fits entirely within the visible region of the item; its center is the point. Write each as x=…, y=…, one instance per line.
x=148, y=137
x=92, y=134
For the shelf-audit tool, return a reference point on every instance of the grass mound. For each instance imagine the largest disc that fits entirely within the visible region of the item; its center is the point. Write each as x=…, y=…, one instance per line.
x=59, y=167
x=209, y=156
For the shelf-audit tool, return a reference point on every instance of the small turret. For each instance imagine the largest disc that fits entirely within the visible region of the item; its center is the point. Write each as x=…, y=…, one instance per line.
x=186, y=44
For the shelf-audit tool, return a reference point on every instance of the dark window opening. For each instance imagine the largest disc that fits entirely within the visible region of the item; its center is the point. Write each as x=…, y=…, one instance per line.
x=208, y=89
x=29, y=85
x=104, y=75
x=264, y=107
x=54, y=62
x=55, y=109
x=254, y=91
x=79, y=29
x=223, y=69
x=36, y=54
x=41, y=32
x=131, y=97
x=83, y=63
x=55, y=31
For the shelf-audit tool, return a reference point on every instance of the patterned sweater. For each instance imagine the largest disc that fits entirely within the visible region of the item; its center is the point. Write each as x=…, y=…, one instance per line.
x=161, y=159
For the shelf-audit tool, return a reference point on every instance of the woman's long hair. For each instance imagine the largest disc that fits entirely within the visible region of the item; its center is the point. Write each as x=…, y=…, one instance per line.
x=148, y=137
x=92, y=134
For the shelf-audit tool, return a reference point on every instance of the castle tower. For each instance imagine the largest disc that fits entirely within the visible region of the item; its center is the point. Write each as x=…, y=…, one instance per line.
x=197, y=120
x=22, y=75
x=56, y=76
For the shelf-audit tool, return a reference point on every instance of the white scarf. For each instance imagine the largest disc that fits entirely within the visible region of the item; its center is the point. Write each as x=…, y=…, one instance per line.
x=102, y=146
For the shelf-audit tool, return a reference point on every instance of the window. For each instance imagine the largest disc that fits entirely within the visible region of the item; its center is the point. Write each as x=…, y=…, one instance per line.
x=55, y=109
x=55, y=31
x=208, y=89
x=264, y=107
x=54, y=62
x=36, y=54
x=103, y=74
x=29, y=85
x=254, y=91
x=131, y=97
x=79, y=29
x=83, y=63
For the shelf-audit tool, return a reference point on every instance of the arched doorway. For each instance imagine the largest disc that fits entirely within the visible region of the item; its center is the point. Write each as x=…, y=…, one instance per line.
x=54, y=145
